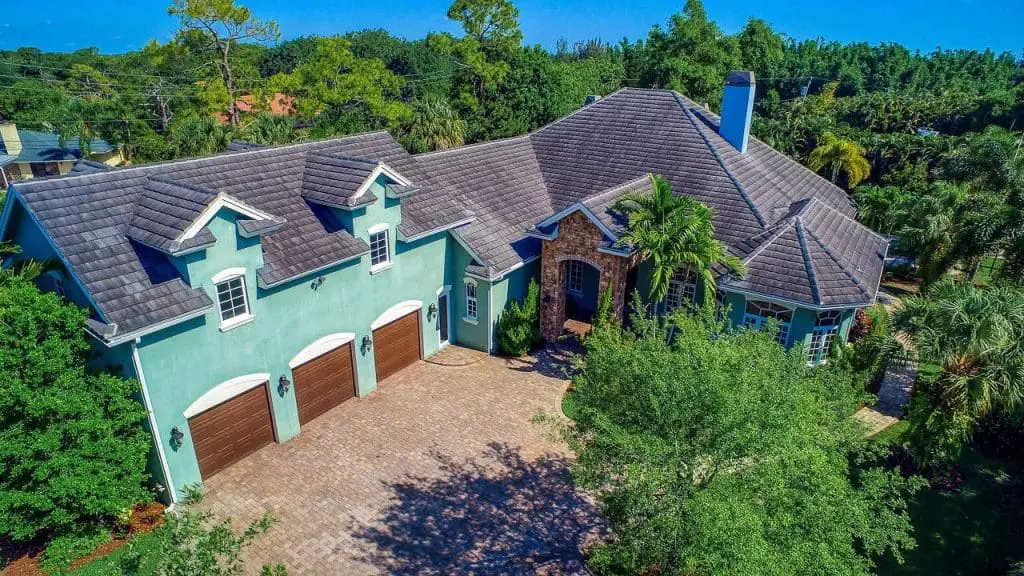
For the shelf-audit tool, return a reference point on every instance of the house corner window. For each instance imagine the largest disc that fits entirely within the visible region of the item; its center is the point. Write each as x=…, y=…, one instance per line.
x=232, y=302
x=682, y=289
x=826, y=326
x=574, y=272
x=471, y=300
x=758, y=313
x=379, y=253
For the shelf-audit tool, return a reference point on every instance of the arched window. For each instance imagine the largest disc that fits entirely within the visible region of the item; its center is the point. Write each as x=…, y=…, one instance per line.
x=826, y=326
x=759, y=312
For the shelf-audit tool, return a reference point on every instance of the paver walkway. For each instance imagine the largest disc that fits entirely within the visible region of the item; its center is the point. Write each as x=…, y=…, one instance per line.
x=894, y=391
x=441, y=471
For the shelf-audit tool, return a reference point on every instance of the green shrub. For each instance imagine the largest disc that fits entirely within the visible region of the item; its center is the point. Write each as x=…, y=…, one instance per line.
x=519, y=324
x=72, y=448
x=64, y=550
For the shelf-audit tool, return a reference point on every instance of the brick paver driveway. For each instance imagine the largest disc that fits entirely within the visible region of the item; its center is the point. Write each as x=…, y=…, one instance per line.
x=441, y=471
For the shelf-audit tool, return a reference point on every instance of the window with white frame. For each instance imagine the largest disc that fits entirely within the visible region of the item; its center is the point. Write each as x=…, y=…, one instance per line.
x=231, y=298
x=471, y=300
x=682, y=288
x=758, y=313
x=379, y=255
x=826, y=326
x=574, y=273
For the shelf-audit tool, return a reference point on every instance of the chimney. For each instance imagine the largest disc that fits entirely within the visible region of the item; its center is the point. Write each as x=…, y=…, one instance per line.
x=737, y=108
x=9, y=136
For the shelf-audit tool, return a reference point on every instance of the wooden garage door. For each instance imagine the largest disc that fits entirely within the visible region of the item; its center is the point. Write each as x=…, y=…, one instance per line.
x=324, y=382
x=396, y=345
x=232, y=430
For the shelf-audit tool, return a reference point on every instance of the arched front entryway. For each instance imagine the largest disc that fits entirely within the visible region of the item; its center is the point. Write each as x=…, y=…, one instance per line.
x=582, y=289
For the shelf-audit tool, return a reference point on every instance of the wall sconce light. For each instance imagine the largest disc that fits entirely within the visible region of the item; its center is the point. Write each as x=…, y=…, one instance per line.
x=367, y=344
x=432, y=311
x=316, y=284
x=177, y=437
x=283, y=384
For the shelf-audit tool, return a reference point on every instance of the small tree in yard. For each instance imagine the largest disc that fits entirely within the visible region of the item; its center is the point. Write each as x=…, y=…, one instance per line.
x=519, y=324
x=723, y=454
x=72, y=450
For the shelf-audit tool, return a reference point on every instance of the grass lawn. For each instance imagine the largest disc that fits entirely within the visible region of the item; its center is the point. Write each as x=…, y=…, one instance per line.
x=107, y=566
x=990, y=266
x=979, y=530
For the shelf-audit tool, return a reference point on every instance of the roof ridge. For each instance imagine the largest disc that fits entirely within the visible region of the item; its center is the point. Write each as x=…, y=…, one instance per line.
x=761, y=247
x=814, y=199
x=808, y=262
x=735, y=182
x=263, y=150
x=580, y=109
x=183, y=184
x=341, y=156
x=856, y=279
x=473, y=145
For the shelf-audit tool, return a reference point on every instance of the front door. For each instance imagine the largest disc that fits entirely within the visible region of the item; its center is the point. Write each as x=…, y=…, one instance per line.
x=442, y=317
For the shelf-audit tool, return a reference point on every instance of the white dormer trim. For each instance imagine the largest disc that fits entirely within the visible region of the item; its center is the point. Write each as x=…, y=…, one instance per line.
x=321, y=347
x=384, y=169
x=227, y=274
x=221, y=201
x=225, y=391
x=396, y=312
x=378, y=228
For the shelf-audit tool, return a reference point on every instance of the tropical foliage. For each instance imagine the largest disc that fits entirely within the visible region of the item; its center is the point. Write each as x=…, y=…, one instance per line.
x=974, y=337
x=519, y=324
x=72, y=448
x=674, y=232
x=838, y=156
x=701, y=451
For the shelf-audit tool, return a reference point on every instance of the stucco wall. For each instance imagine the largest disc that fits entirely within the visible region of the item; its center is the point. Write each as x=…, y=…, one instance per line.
x=513, y=286
x=183, y=362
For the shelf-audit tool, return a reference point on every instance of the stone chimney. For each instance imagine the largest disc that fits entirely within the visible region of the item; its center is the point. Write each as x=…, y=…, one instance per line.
x=738, y=108
x=9, y=136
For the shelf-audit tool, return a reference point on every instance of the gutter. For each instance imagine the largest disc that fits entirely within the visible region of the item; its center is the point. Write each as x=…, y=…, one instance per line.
x=136, y=334
x=445, y=228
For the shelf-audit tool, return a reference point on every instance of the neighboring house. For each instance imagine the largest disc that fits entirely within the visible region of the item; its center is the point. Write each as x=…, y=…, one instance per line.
x=250, y=292
x=280, y=105
x=26, y=154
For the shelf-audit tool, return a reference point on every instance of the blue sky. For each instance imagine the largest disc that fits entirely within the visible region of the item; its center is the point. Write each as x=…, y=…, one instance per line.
x=119, y=25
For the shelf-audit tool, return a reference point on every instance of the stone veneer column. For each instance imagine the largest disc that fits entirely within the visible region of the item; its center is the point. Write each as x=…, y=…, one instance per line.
x=578, y=239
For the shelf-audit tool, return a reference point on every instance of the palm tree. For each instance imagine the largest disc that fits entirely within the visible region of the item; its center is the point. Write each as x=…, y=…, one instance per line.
x=975, y=339
x=880, y=206
x=266, y=128
x=674, y=232
x=930, y=228
x=436, y=125
x=839, y=155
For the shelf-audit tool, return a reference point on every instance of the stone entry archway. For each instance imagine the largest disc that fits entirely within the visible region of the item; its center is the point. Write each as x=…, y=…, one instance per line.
x=578, y=239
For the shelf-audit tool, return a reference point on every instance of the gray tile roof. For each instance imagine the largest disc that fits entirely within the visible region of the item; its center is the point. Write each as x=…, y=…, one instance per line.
x=591, y=154
x=794, y=227
x=86, y=167
x=134, y=286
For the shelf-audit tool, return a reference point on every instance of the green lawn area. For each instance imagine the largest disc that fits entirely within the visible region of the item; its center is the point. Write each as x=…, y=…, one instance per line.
x=979, y=530
x=107, y=566
x=990, y=266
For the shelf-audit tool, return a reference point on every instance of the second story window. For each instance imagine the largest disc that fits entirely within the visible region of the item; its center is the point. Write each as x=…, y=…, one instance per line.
x=379, y=254
x=232, y=301
x=471, y=301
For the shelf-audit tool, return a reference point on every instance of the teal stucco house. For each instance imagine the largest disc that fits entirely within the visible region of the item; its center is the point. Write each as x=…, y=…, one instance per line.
x=252, y=291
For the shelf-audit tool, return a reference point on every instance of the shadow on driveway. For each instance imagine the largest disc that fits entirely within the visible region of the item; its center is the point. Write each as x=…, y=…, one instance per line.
x=494, y=514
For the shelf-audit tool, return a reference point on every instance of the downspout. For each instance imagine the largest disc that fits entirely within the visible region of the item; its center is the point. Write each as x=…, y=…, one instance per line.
x=490, y=319
x=148, y=402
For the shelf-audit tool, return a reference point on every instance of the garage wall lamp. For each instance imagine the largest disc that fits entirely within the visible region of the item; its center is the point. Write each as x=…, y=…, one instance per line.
x=367, y=344
x=432, y=311
x=317, y=283
x=283, y=384
x=177, y=437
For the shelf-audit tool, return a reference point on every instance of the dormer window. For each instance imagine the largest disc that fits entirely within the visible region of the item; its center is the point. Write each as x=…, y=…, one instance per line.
x=232, y=300
x=380, y=256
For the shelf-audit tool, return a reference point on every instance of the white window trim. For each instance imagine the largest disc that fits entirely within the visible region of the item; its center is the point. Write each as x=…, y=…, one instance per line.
x=227, y=274
x=241, y=319
x=320, y=347
x=377, y=229
x=225, y=391
x=474, y=320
